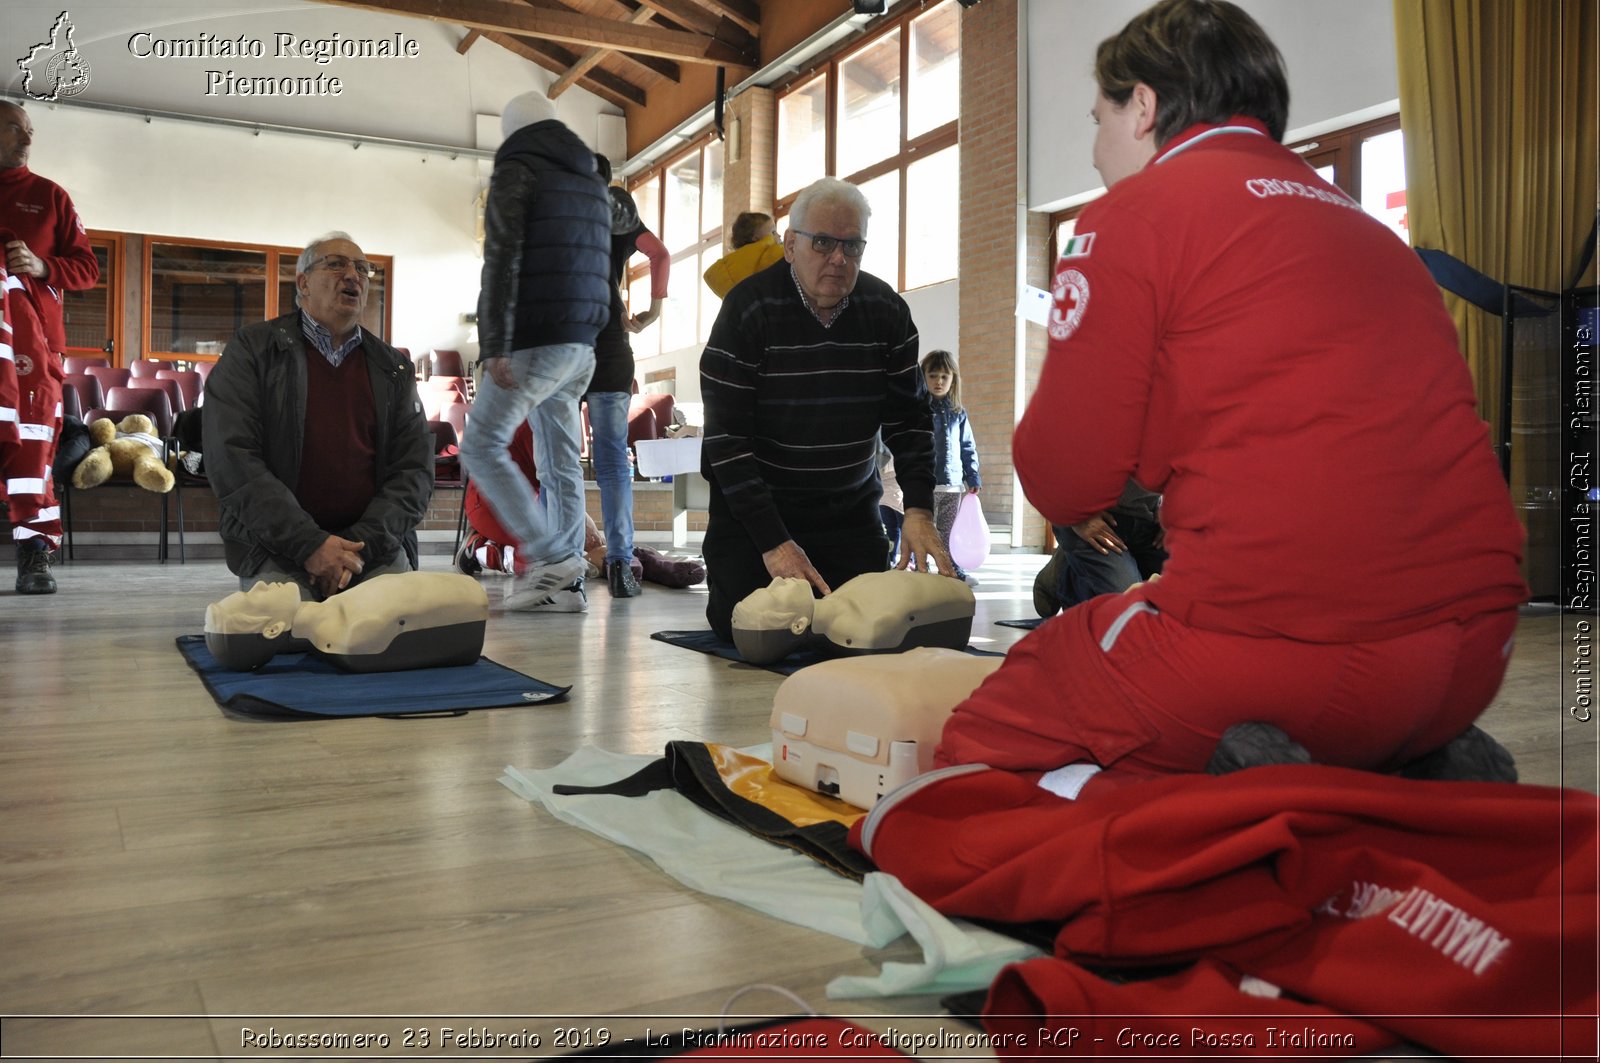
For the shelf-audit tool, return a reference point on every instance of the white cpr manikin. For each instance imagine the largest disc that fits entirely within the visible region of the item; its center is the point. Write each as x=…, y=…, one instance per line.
x=384, y=624
x=876, y=612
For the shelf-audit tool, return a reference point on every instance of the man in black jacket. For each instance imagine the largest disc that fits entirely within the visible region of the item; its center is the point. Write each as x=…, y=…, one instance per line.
x=545, y=296
x=315, y=440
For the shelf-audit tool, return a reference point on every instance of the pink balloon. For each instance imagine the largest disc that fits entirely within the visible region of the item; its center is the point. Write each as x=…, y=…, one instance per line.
x=969, y=536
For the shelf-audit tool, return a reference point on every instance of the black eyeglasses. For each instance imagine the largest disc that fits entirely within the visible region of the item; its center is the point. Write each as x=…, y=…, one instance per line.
x=823, y=244
x=338, y=264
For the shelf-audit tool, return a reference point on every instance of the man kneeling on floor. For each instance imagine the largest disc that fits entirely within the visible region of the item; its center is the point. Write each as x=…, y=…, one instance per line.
x=315, y=440
x=1235, y=333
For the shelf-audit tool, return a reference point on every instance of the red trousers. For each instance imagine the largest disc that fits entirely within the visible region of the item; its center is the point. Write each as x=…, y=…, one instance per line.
x=30, y=387
x=1116, y=683
x=479, y=514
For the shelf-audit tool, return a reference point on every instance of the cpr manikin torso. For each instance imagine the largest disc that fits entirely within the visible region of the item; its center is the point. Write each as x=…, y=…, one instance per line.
x=384, y=624
x=876, y=612
x=858, y=727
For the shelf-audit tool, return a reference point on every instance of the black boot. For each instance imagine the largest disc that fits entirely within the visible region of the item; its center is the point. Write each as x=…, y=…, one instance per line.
x=33, y=569
x=1472, y=756
x=620, y=580
x=1255, y=745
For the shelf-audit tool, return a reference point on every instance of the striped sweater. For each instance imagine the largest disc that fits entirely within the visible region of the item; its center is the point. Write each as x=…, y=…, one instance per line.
x=793, y=410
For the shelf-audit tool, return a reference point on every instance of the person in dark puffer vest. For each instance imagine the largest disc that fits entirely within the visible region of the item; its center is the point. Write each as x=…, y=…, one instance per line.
x=545, y=296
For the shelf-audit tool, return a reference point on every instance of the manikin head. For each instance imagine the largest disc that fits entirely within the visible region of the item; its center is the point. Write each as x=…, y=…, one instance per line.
x=247, y=628
x=774, y=621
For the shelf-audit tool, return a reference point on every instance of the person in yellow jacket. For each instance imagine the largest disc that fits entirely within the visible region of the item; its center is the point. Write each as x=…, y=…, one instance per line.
x=755, y=247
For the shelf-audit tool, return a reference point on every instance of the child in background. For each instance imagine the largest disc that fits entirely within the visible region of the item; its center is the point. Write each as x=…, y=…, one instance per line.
x=755, y=247
x=955, y=453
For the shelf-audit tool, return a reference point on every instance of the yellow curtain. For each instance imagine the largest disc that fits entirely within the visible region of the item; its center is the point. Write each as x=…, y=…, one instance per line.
x=1497, y=100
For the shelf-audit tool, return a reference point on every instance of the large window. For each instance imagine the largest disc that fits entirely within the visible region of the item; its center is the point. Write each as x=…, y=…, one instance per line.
x=1368, y=162
x=682, y=204
x=197, y=294
x=803, y=134
x=884, y=112
x=93, y=317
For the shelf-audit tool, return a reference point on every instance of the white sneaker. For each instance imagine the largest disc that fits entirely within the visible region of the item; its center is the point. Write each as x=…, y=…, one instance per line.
x=537, y=583
x=570, y=599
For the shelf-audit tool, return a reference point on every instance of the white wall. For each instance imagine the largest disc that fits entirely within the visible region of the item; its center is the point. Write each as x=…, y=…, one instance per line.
x=432, y=98
x=183, y=178
x=937, y=311
x=179, y=179
x=1341, y=59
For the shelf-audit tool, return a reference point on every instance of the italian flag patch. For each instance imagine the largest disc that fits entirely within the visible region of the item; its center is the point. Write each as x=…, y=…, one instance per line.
x=1078, y=246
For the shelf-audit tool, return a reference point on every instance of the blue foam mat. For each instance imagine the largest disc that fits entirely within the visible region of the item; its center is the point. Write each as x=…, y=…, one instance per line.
x=302, y=685
x=709, y=642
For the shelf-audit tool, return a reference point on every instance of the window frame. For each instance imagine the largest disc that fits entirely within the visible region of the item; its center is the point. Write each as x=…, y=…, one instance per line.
x=1341, y=148
x=710, y=237
x=115, y=286
x=275, y=255
x=911, y=149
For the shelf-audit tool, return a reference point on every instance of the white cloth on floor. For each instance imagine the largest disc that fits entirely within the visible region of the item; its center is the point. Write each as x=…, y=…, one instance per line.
x=956, y=955
x=717, y=858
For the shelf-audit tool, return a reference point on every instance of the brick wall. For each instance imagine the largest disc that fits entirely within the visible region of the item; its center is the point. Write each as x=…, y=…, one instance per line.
x=115, y=522
x=989, y=242
x=749, y=183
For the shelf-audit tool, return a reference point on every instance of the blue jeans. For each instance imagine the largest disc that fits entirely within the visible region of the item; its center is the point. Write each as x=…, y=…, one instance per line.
x=608, y=442
x=893, y=521
x=548, y=526
x=1088, y=573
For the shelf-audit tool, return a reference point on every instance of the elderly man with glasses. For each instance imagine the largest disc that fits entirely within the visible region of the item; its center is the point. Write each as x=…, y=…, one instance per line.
x=314, y=438
x=809, y=363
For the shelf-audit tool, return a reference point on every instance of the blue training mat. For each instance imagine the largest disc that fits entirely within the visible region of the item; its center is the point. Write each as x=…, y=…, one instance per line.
x=305, y=686
x=707, y=641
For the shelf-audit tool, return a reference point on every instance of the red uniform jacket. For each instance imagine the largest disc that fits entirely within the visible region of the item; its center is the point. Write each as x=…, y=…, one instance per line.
x=1237, y=334
x=1456, y=916
x=41, y=214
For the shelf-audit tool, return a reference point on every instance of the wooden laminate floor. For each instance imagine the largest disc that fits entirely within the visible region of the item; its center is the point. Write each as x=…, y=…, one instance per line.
x=160, y=859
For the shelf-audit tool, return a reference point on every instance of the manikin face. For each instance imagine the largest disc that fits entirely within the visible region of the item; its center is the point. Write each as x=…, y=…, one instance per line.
x=939, y=382
x=1124, y=139
x=265, y=609
x=784, y=603
x=334, y=297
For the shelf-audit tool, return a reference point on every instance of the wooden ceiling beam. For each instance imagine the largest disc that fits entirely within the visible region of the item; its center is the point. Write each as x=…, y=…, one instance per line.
x=743, y=13
x=559, y=24
x=589, y=59
x=690, y=15
x=557, y=60
x=468, y=41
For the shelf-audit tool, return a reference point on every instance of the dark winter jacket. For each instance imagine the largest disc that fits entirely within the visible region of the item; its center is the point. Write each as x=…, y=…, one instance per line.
x=546, y=244
x=254, y=429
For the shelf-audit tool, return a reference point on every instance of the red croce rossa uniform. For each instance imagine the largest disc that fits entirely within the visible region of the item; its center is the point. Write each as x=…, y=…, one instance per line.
x=1235, y=333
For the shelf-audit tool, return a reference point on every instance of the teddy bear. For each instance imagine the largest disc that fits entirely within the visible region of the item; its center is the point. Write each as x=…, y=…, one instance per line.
x=129, y=448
